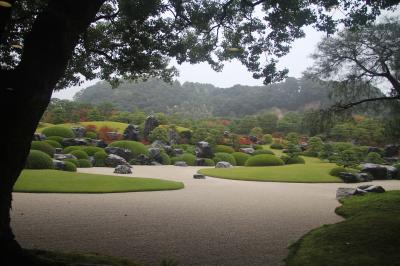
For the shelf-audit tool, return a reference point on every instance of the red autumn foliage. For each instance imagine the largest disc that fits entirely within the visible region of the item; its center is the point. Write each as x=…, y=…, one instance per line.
x=91, y=128
x=244, y=141
x=108, y=134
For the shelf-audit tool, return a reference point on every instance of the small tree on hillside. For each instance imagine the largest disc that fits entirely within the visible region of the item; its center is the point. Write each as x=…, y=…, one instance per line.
x=348, y=158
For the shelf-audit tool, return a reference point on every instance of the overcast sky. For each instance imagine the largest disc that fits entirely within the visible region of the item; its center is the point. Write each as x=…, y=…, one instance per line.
x=234, y=73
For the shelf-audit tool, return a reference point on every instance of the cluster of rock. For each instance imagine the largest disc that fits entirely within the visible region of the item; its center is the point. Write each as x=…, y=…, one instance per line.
x=369, y=172
x=360, y=190
x=123, y=169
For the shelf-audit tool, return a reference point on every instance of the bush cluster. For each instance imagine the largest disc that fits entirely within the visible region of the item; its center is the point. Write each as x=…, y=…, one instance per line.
x=295, y=160
x=257, y=152
x=60, y=131
x=53, y=143
x=224, y=149
x=99, y=158
x=38, y=160
x=337, y=170
x=69, y=166
x=241, y=158
x=135, y=147
x=79, y=154
x=55, y=138
x=276, y=146
x=224, y=157
x=72, y=160
x=209, y=162
x=264, y=160
x=91, y=150
x=188, y=158
x=84, y=163
x=43, y=146
x=69, y=149
x=91, y=135
x=165, y=159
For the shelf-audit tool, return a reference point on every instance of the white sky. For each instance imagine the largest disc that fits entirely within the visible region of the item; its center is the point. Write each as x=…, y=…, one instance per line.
x=234, y=73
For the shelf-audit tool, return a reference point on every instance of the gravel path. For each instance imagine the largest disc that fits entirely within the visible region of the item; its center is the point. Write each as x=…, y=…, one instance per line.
x=209, y=222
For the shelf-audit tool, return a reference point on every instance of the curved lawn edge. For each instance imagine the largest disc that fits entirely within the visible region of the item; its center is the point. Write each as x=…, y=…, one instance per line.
x=296, y=173
x=53, y=181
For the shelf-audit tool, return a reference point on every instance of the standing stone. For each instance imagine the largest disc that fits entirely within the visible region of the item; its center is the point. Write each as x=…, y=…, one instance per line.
x=155, y=154
x=113, y=160
x=203, y=150
x=150, y=124
x=79, y=131
x=124, y=153
x=131, y=132
x=173, y=137
x=378, y=171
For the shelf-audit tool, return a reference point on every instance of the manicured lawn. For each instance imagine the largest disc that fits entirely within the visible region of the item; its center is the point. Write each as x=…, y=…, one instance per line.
x=71, y=182
x=314, y=171
x=120, y=127
x=369, y=236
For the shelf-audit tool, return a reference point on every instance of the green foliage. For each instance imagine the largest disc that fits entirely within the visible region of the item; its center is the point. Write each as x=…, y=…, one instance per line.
x=91, y=150
x=326, y=151
x=337, y=170
x=135, y=147
x=159, y=133
x=292, y=137
x=315, y=145
x=276, y=146
x=190, y=159
x=43, y=146
x=295, y=160
x=79, y=154
x=99, y=158
x=310, y=153
x=91, y=135
x=257, y=152
x=69, y=166
x=55, y=138
x=69, y=149
x=264, y=160
x=84, y=163
x=374, y=157
x=256, y=131
x=38, y=160
x=209, y=162
x=348, y=158
x=59, y=131
x=397, y=166
x=241, y=158
x=165, y=159
x=225, y=157
x=224, y=148
x=290, y=122
x=267, y=139
x=53, y=143
x=72, y=160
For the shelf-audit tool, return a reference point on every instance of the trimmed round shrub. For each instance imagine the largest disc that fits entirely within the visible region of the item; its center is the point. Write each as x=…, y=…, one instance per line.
x=224, y=149
x=267, y=138
x=60, y=131
x=224, y=157
x=53, y=143
x=209, y=162
x=84, y=163
x=264, y=160
x=258, y=147
x=190, y=159
x=70, y=167
x=135, y=147
x=241, y=158
x=374, y=157
x=276, y=146
x=295, y=160
x=165, y=159
x=258, y=152
x=69, y=149
x=310, y=153
x=38, y=160
x=80, y=154
x=99, y=158
x=72, y=160
x=337, y=170
x=43, y=146
x=55, y=138
x=91, y=150
x=91, y=135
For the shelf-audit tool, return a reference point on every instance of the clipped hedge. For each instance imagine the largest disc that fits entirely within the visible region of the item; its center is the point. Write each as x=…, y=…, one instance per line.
x=295, y=160
x=91, y=135
x=55, y=138
x=69, y=149
x=84, y=163
x=135, y=147
x=38, y=160
x=337, y=170
x=91, y=150
x=209, y=162
x=165, y=159
x=190, y=159
x=69, y=166
x=79, y=154
x=258, y=152
x=72, y=160
x=241, y=158
x=276, y=146
x=224, y=157
x=60, y=131
x=43, y=146
x=224, y=149
x=264, y=160
x=99, y=158
x=53, y=143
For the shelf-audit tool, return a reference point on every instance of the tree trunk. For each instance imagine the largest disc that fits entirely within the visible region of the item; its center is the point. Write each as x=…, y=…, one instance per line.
x=24, y=95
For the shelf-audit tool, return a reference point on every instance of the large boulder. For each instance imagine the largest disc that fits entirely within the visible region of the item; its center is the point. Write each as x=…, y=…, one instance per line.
x=142, y=159
x=113, y=160
x=62, y=157
x=372, y=188
x=344, y=192
x=79, y=131
x=74, y=142
x=173, y=137
x=355, y=177
x=39, y=137
x=158, y=144
x=378, y=171
x=203, y=150
x=391, y=151
x=123, y=169
x=149, y=124
x=247, y=150
x=223, y=164
x=155, y=154
x=360, y=190
x=124, y=153
x=58, y=165
x=131, y=132
x=178, y=152
x=98, y=143
x=180, y=163
x=198, y=176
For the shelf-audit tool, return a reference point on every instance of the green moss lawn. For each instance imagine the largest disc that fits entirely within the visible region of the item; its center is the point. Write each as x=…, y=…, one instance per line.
x=314, y=171
x=120, y=127
x=48, y=181
x=370, y=235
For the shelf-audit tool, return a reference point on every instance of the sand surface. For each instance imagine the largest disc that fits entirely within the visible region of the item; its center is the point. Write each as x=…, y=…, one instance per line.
x=209, y=222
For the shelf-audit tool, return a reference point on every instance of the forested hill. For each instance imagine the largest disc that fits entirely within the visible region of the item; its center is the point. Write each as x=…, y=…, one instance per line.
x=196, y=98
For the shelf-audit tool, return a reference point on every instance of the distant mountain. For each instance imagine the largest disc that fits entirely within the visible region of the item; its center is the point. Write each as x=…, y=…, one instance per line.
x=205, y=99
